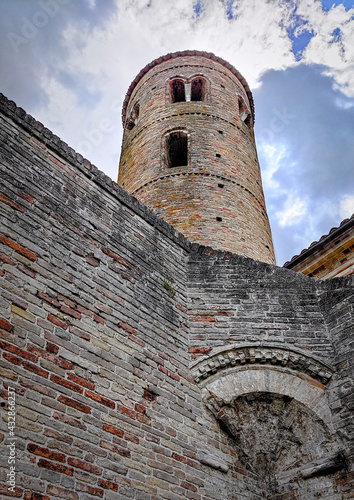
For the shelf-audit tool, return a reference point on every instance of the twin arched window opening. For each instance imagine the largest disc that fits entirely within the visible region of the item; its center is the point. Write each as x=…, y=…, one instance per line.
x=182, y=91
x=178, y=91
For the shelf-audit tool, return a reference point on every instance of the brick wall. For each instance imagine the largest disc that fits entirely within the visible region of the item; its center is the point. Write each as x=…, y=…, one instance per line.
x=235, y=299
x=337, y=304
x=94, y=336
x=103, y=308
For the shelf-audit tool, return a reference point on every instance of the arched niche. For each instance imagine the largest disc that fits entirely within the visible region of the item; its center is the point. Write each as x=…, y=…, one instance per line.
x=272, y=403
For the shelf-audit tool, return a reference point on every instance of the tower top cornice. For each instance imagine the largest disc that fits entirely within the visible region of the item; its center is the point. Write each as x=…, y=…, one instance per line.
x=185, y=53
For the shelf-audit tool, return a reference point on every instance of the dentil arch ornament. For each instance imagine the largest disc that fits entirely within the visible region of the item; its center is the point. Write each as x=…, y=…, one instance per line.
x=272, y=402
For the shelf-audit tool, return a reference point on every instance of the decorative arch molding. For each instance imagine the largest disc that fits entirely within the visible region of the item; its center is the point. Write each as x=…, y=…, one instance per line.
x=272, y=403
x=225, y=388
x=238, y=355
x=180, y=88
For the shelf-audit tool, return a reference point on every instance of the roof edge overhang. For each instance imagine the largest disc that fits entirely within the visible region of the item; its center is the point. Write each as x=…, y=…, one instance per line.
x=184, y=53
x=345, y=225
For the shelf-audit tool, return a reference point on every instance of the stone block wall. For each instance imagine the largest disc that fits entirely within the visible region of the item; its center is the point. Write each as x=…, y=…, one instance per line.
x=107, y=317
x=252, y=326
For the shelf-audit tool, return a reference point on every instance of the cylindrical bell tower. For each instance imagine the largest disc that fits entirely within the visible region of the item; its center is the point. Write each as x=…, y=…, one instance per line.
x=189, y=152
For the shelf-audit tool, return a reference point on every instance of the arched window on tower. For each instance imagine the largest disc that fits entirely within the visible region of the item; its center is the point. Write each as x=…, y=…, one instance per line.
x=133, y=118
x=245, y=115
x=177, y=149
x=178, y=92
x=198, y=89
x=248, y=120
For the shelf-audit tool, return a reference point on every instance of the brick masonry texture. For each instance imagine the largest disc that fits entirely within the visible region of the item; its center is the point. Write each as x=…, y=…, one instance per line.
x=217, y=199
x=107, y=314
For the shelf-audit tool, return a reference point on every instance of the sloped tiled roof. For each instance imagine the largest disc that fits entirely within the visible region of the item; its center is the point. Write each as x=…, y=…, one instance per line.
x=317, y=245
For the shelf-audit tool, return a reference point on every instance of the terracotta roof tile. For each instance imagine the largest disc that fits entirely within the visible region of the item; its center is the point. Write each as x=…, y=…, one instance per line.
x=333, y=230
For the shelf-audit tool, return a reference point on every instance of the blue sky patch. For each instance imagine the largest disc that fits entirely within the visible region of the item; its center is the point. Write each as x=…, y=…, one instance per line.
x=337, y=38
x=299, y=35
x=197, y=7
x=229, y=4
x=337, y=35
x=327, y=4
x=300, y=43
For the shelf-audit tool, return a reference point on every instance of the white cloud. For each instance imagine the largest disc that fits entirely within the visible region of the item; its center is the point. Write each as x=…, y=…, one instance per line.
x=294, y=211
x=273, y=156
x=323, y=48
x=346, y=206
x=88, y=63
x=254, y=41
x=110, y=56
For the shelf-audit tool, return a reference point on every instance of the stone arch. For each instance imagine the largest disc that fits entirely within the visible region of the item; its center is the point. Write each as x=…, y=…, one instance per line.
x=237, y=382
x=234, y=370
x=271, y=401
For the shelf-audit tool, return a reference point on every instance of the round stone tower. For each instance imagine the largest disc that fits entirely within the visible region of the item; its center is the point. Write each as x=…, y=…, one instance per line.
x=189, y=152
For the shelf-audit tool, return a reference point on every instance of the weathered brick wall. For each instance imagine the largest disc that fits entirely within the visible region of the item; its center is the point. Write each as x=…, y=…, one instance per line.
x=94, y=338
x=337, y=304
x=247, y=319
x=222, y=179
x=235, y=299
x=103, y=308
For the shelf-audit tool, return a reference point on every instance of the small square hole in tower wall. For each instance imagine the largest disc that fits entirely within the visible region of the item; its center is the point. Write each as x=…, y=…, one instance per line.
x=177, y=149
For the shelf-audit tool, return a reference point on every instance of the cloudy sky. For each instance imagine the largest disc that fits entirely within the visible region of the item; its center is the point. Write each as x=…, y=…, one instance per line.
x=70, y=62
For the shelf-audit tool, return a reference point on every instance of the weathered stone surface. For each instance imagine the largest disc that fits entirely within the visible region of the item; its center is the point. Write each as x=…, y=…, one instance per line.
x=213, y=461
